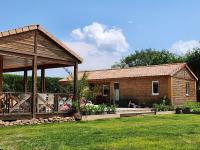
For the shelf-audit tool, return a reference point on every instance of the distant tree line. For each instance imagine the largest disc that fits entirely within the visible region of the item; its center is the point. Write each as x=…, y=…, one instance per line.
x=147, y=57
x=14, y=83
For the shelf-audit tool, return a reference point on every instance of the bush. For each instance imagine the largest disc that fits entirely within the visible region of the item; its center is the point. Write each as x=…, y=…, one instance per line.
x=97, y=109
x=196, y=110
x=162, y=107
x=111, y=109
x=191, y=105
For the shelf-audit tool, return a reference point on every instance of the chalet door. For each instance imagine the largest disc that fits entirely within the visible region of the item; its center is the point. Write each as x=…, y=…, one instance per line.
x=116, y=93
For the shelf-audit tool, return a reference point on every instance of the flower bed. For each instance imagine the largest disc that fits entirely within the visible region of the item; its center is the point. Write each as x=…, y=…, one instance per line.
x=90, y=109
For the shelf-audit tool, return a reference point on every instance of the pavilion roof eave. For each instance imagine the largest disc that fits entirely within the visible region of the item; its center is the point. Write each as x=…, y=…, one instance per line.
x=38, y=27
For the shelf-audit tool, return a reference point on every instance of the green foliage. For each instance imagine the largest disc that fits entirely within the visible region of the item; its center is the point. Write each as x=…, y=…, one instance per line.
x=148, y=57
x=191, y=105
x=98, y=109
x=163, y=106
x=92, y=93
x=193, y=60
x=111, y=109
x=196, y=110
x=82, y=86
x=14, y=83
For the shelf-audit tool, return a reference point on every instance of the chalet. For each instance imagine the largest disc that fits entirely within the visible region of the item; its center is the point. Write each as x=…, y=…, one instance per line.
x=145, y=84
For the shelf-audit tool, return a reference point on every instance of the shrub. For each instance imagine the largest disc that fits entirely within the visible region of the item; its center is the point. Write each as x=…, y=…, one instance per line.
x=196, y=110
x=162, y=107
x=111, y=109
x=97, y=109
x=102, y=108
x=191, y=105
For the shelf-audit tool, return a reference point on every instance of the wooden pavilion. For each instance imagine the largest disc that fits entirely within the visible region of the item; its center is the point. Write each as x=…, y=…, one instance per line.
x=32, y=48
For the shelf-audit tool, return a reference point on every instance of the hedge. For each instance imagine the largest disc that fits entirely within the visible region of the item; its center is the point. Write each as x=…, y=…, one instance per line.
x=14, y=83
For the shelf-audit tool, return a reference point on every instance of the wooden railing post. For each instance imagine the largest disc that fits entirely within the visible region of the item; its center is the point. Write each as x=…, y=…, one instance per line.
x=25, y=81
x=75, y=97
x=34, y=78
x=1, y=73
x=43, y=80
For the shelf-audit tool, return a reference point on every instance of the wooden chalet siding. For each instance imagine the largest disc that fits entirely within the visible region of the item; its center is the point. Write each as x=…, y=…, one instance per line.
x=140, y=89
x=179, y=87
x=18, y=42
x=51, y=49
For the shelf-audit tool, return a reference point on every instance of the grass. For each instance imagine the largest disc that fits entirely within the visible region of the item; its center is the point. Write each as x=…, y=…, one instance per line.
x=180, y=132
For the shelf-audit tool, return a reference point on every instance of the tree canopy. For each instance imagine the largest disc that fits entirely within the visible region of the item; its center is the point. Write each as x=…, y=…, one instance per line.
x=147, y=57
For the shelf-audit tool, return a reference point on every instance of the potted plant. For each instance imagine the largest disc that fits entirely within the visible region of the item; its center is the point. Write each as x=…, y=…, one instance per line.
x=76, y=111
x=179, y=110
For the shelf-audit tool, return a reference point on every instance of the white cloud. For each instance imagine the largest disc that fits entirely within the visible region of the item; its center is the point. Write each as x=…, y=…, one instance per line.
x=99, y=45
x=182, y=47
x=93, y=57
x=104, y=38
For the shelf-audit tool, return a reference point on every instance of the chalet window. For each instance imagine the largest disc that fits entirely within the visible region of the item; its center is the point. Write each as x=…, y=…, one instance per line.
x=105, y=90
x=155, y=87
x=187, y=88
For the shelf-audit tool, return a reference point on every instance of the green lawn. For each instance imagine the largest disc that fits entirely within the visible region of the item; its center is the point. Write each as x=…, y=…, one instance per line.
x=149, y=132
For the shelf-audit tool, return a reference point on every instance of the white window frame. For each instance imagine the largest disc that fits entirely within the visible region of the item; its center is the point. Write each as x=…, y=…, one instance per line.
x=154, y=94
x=187, y=88
x=104, y=88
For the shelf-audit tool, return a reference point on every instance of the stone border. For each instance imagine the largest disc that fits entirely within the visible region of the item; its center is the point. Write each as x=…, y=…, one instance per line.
x=36, y=121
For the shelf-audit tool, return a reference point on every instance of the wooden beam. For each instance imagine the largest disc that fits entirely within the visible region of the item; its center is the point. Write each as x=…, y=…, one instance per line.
x=75, y=97
x=5, y=51
x=34, y=78
x=43, y=80
x=38, y=67
x=1, y=73
x=25, y=81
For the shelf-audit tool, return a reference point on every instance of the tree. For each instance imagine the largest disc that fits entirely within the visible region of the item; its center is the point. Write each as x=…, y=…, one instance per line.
x=193, y=61
x=148, y=57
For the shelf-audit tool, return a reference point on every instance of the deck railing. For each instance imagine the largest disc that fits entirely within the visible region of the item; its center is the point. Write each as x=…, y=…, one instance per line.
x=18, y=102
x=15, y=102
x=53, y=102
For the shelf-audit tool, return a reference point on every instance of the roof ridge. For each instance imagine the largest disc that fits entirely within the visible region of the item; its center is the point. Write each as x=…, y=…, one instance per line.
x=132, y=67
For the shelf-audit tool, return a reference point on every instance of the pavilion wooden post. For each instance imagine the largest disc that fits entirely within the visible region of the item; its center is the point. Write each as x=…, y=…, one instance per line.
x=75, y=84
x=1, y=73
x=25, y=80
x=43, y=80
x=34, y=78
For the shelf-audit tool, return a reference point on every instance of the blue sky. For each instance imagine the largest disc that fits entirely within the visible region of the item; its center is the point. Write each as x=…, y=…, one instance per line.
x=90, y=26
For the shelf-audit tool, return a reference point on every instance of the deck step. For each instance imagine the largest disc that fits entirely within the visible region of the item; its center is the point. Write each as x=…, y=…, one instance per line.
x=130, y=114
x=122, y=110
